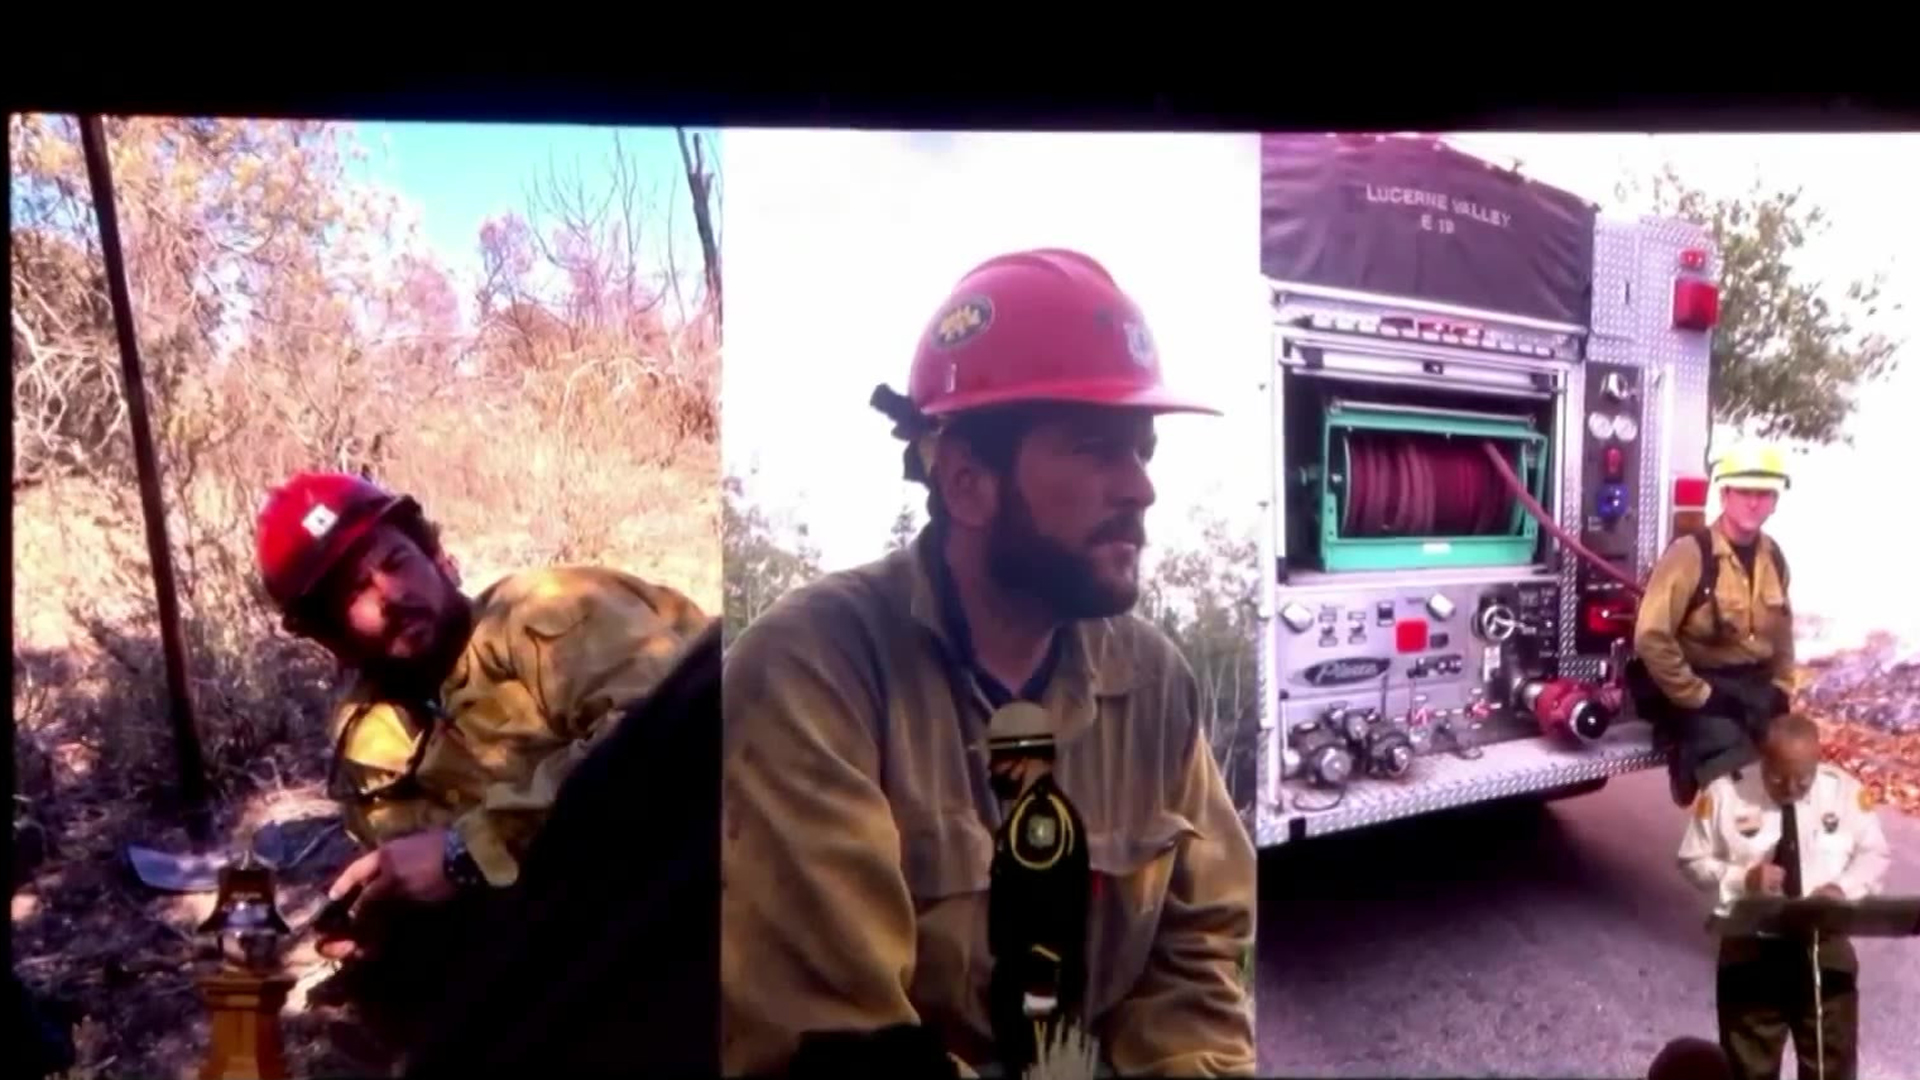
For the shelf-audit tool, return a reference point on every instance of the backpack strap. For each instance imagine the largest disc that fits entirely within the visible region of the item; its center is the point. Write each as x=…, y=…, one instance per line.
x=1709, y=574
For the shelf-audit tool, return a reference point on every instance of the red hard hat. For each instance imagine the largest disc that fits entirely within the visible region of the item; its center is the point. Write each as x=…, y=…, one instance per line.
x=1043, y=325
x=310, y=522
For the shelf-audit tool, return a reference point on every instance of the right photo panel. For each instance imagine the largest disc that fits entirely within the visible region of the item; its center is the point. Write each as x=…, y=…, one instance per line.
x=1583, y=746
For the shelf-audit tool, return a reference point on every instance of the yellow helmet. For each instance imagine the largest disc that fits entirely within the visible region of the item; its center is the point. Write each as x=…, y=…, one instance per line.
x=1752, y=467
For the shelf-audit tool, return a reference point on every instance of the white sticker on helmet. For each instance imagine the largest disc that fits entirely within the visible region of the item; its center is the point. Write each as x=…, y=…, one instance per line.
x=319, y=521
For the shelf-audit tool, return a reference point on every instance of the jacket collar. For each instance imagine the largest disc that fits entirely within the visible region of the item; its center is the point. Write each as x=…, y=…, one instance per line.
x=1091, y=665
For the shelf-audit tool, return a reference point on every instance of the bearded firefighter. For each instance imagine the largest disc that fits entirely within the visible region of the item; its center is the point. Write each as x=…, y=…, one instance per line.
x=461, y=717
x=1713, y=640
x=970, y=811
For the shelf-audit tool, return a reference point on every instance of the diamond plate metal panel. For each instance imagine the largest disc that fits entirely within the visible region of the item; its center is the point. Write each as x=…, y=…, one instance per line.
x=1616, y=260
x=1442, y=782
x=1267, y=826
x=1686, y=357
x=1570, y=448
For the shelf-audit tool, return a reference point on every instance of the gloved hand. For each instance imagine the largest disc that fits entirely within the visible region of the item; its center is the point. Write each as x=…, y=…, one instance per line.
x=1778, y=703
x=1721, y=703
x=900, y=1050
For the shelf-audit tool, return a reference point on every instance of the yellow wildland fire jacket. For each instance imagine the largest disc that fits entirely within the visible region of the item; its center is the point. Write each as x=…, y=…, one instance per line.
x=1747, y=620
x=554, y=652
x=858, y=832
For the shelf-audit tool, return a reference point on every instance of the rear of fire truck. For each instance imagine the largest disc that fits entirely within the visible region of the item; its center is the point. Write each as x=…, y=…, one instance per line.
x=1489, y=404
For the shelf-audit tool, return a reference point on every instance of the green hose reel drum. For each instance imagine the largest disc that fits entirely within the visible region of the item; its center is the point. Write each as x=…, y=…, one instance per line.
x=1406, y=487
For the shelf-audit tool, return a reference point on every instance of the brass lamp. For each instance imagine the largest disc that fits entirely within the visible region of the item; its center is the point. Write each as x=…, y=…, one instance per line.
x=245, y=991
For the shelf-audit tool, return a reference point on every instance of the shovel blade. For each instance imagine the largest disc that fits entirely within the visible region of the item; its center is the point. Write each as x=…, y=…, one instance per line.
x=169, y=872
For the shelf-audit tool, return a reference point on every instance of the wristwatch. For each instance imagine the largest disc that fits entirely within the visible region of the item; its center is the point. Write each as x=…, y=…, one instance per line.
x=458, y=864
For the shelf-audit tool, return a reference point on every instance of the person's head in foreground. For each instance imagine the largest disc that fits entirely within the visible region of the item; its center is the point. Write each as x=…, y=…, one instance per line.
x=360, y=570
x=1790, y=757
x=1030, y=417
x=1690, y=1058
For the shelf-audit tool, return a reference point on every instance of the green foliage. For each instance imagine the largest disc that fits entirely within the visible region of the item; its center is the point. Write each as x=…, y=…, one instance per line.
x=906, y=525
x=760, y=565
x=1792, y=352
x=1206, y=599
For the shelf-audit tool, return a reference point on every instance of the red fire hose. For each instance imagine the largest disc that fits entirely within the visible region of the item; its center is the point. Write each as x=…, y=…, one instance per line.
x=1425, y=485
x=1546, y=521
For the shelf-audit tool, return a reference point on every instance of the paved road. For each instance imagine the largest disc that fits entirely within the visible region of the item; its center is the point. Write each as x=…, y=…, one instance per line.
x=1520, y=941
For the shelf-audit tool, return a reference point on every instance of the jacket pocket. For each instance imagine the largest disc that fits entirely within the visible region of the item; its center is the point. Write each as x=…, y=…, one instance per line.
x=1132, y=867
x=947, y=861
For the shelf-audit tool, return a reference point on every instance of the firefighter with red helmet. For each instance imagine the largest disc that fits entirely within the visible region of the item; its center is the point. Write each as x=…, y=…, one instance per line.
x=968, y=796
x=463, y=715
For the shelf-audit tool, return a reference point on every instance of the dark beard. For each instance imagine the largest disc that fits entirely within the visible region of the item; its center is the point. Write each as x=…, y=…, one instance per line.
x=419, y=678
x=1021, y=560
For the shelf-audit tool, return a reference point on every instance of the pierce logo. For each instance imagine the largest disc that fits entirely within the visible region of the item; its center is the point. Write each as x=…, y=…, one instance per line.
x=319, y=521
x=1342, y=672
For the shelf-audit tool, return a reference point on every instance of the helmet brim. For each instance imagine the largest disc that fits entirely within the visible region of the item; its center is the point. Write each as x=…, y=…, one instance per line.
x=1156, y=400
x=1755, y=482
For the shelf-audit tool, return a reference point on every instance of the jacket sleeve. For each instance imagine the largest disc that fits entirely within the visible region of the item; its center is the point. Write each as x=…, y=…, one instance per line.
x=1704, y=858
x=1866, y=870
x=1782, y=664
x=817, y=925
x=374, y=742
x=581, y=648
x=1189, y=1014
x=1656, y=631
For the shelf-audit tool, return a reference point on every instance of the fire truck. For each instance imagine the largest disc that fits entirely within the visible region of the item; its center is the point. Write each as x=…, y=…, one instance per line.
x=1489, y=417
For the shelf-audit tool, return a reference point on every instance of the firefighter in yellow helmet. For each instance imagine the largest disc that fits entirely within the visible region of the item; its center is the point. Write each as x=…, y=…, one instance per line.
x=970, y=811
x=1713, y=642
x=461, y=717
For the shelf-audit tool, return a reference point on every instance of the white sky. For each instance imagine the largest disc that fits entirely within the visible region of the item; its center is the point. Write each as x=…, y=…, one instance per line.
x=840, y=244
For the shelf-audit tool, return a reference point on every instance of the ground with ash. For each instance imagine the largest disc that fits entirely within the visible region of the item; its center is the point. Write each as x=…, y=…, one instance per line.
x=1868, y=703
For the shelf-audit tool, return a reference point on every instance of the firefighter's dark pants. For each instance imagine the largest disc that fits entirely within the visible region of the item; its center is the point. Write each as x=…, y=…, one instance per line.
x=1723, y=736
x=1765, y=993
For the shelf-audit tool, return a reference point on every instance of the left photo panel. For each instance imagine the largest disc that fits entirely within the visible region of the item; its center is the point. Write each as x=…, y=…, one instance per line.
x=366, y=523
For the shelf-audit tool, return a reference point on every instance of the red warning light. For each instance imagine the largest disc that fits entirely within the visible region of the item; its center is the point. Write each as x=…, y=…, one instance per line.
x=1609, y=618
x=1690, y=493
x=1696, y=304
x=1613, y=462
x=1693, y=259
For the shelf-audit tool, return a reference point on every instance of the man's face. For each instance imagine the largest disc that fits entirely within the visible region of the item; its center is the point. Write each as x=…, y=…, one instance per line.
x=1071, y=519
x=1788, y=764
x=1748, y=508
x=389, y=603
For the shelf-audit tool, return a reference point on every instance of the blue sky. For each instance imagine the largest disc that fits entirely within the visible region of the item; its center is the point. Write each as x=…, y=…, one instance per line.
x=460, y=175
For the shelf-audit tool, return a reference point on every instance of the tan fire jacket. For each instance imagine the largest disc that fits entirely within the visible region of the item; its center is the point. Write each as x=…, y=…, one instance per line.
x=858, y=834
x=553, y=653
x=1756, y=619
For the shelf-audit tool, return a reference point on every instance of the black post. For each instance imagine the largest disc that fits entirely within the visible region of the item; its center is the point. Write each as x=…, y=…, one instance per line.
x=186, y=736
